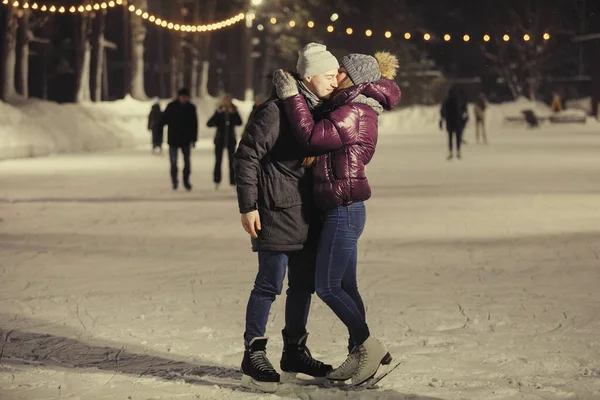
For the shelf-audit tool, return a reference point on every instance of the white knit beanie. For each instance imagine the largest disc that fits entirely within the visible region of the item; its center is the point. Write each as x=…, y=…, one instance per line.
x=314, y=59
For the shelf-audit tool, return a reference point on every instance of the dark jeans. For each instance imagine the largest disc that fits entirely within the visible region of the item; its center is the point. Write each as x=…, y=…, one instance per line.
x=219, y=148
x=336, y=282
x=187, y=166
x=457, y=134
x=269, y=283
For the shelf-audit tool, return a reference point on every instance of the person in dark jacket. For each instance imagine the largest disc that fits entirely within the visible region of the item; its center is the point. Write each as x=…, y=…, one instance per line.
x=480, y=107
x=347, y=136
x=454, y=112
x=274, y=196
x=155, y=127
x=180, y=115
x=225, y=119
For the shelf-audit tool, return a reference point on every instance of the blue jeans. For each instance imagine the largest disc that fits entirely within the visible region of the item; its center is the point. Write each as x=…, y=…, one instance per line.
x=268, y=284
x=336, y=282
x=187, y=165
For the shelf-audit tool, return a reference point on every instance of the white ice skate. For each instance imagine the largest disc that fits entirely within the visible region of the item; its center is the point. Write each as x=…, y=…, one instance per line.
x=347, y=369
x=371, y=355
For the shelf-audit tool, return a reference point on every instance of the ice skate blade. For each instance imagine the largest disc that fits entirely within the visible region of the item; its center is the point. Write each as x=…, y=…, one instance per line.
x=250, y=383
x=379, y=375
x=298, y=378
x=385, y=362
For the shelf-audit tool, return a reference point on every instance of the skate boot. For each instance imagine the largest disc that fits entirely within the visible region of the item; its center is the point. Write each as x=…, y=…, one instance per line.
x=347, y=369
x=296, y=359
x=258, y=372
x=371, y=355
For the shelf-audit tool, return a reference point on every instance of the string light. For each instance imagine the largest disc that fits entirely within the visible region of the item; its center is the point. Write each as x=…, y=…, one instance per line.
x=137, y=11
x=81, y=8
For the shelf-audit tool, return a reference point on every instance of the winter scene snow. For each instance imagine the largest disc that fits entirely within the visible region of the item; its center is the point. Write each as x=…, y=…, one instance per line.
x=282, y=199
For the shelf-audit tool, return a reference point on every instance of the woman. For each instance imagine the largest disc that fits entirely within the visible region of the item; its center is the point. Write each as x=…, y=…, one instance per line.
x=225, y=119
x=480, y=107
x=347, y=135
x=155, y=127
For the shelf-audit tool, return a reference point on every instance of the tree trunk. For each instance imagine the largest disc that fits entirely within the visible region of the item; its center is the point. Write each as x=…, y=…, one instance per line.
x=209, y=11
x=99, y=56
x=161, y=65
x=138, y=36
x=176, y=50
x=194, y=76
x=249, y=62
x=173, y=69
x=204, y=80
x=266, y=70
x=9, y=54
x=83, y=83
x=83, y=61
x=196, y=44
x=23, y=36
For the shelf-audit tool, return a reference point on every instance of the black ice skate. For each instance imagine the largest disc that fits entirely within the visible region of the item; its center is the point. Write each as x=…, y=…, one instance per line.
x=258, y=372
x=296, y=359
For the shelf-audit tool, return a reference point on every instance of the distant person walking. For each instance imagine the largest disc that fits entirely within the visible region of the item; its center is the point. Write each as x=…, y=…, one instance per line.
x=180, y=115
x=454, y=113
x=225, y=119
x=156, y=128
x=480, y=107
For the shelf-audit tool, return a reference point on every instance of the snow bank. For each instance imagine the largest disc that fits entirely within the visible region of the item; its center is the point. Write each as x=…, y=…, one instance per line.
x=419, y=119
x=36, y=128
x=584, y=104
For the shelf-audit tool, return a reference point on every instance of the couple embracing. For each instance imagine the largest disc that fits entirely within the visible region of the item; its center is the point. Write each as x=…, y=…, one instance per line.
x=301, y=185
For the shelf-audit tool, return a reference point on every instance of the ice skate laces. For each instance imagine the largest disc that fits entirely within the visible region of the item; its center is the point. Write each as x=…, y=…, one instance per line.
x=306, y=357
x=348, y=360
x=261, y=362
x=363, y=357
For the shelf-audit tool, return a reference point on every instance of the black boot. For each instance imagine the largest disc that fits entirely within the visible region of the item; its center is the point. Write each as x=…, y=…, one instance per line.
x=296, y=358
x=257, y=369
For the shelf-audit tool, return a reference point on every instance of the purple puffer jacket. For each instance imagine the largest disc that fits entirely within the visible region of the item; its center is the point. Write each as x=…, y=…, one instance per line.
x=347, y=136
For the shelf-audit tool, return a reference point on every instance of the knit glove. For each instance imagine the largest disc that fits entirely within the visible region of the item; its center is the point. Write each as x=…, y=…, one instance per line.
x=285, y=84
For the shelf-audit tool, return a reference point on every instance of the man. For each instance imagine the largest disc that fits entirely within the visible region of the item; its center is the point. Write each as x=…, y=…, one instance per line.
x=274, y=196
x=454, y=112
x=181, y=117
